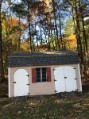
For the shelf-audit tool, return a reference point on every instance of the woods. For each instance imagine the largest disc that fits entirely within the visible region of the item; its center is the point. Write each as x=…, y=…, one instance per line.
x=46, y=25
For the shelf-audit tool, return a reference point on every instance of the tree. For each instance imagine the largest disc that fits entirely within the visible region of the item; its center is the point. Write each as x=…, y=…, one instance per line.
x=20, y=11
x=69, y=27
x=55, y=21
x=1, y=47
x=79, y=8
x=70, y=37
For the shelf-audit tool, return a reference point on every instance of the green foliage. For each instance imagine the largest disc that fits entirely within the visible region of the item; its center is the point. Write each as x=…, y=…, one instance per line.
x=19, y=9
x=52, y=42
x=69, y=27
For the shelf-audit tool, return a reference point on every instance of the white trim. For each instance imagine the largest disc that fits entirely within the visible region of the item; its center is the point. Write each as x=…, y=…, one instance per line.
x=9, y=82
x=79, y=74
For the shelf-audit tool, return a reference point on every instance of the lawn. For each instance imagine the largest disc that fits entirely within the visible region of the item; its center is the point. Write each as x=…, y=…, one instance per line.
x=60, y=106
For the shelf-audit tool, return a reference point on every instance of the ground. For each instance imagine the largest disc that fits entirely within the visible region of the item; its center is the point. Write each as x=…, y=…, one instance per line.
x=60, y=106
x=4, y=89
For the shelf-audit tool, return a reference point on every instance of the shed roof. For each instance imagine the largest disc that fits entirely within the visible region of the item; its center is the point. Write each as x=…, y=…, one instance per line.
x=21, y=59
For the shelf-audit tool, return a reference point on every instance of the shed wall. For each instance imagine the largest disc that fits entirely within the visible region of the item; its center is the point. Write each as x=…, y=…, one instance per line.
x=40, y=88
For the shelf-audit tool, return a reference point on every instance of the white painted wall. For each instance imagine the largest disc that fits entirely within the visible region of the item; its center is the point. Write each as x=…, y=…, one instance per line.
x=9, y=82
x=79, y=79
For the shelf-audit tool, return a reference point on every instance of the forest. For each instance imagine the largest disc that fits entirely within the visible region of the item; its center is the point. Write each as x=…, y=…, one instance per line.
x=44, y=25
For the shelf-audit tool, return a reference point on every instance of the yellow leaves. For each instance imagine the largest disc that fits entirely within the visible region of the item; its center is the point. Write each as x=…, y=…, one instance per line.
x=72, y=37
x=9, y=24
x=12, y=29
x=13, y=21
x=25, y=46
x=47, y=2
x=71, y=42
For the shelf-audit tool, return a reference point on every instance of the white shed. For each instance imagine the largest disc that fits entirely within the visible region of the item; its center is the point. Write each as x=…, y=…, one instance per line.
x=43, y=73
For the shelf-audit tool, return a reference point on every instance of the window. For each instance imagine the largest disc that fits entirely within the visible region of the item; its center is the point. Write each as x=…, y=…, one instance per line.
x=41, y=75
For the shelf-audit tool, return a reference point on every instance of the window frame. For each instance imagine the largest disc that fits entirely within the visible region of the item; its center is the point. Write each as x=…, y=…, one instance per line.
x=41, y=74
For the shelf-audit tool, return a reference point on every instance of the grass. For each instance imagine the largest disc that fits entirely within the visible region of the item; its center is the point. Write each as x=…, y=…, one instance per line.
x=60, y=106
x=46, y=107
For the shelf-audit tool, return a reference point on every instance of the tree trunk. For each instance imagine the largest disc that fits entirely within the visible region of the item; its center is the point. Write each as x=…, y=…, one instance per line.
x=29, y=26
x=79, y=43
x=84, y=36
x=55, y=20
x=1, y=49
x=60, y=31
x=19, y=35
x=85, y=43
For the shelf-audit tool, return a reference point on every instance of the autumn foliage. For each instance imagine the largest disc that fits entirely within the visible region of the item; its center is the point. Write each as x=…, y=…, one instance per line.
x=71, y=42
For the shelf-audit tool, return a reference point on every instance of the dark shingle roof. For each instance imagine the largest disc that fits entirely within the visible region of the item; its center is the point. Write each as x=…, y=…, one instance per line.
x=41, y=59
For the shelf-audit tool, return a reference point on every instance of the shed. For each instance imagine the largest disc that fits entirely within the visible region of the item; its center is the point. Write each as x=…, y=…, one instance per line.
x=43, y=73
